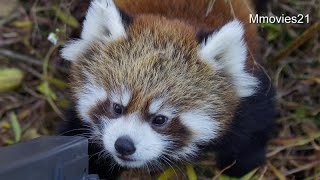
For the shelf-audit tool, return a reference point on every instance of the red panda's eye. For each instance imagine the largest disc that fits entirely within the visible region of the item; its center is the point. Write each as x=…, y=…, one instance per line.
x=117, y=108
x=159, y=120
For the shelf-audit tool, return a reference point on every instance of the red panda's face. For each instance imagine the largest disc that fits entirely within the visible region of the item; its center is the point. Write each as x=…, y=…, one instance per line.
x=150, y=103
x=150, y=91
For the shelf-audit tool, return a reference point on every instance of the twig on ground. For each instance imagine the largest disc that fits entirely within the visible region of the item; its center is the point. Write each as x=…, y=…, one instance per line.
x=17, y=56
x=302, y=168
x=223, y=170
x=30, y=70
x=261, y=177
x=306, y=35
x=276, y=172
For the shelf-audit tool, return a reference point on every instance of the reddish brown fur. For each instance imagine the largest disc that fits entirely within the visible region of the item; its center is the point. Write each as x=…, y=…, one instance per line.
x=103, y=108
x=203, y=15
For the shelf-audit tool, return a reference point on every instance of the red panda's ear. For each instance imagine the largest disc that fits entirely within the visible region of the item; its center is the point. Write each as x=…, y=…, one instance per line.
x=103, y=22
x=225, y=50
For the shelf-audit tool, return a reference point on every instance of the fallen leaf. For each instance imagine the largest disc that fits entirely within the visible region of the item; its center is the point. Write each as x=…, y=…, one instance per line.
x=46, y=90
x=31, y=134
x=22, y=24
x=10, y=79
x=15, y=126
x=5, y=125
x=191, y=172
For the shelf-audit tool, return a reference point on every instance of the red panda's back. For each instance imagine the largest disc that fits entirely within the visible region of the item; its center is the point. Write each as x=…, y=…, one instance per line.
x=204, y=15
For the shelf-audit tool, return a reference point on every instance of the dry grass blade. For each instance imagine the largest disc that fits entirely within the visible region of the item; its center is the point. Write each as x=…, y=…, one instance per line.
x=306, y=35
x=216, y=177
x=302, y=168
x=298, y=142
x=278, y=174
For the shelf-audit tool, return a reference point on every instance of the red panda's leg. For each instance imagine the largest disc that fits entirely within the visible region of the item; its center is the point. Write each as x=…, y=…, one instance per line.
x=246, y=140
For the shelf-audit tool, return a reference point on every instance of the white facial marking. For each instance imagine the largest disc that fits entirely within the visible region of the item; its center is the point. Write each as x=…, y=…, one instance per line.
x=226, y=50
x=204, y=128
x=103, y=23
x=88, y=98
x=148, y=143
x=155, y=105
x=123, y=97
x=168, y=111
x=126, y=96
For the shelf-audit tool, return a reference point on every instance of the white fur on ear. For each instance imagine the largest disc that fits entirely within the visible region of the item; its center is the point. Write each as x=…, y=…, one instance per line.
x=226, y=50
x=73, y=49
x=103, y=22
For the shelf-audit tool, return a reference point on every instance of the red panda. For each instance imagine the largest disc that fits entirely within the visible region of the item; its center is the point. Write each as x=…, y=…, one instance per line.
x=156, y=82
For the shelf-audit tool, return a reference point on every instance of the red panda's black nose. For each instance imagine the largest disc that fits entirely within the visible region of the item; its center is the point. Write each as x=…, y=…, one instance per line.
x=124, y=145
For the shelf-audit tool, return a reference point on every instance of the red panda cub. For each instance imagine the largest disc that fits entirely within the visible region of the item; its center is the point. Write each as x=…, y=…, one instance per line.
x=160, y=82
